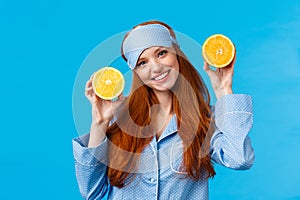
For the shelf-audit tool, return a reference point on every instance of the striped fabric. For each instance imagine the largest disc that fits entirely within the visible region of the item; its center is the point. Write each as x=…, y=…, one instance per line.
x=160, y=175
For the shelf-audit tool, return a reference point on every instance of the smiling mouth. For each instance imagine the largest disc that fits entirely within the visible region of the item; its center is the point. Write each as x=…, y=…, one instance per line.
x=157, y=78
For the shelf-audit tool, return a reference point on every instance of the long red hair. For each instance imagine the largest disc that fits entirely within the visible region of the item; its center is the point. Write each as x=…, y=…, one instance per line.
x=190, y=103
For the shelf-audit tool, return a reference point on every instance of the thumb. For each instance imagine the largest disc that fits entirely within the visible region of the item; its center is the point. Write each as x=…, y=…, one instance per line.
x=208, y=70
x=120, y=100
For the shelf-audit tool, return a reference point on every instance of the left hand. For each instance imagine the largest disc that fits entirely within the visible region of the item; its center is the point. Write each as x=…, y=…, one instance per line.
x=221, y=78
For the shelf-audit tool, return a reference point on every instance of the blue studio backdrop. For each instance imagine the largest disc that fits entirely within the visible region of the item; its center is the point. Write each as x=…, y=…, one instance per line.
x=44, y=45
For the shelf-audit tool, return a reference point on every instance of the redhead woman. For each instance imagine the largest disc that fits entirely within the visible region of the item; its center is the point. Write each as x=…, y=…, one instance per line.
x=162, y=140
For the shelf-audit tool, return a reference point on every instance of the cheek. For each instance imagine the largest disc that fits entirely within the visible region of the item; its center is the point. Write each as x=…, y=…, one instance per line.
x=143, y=76
x=175, y=74
x=174, y=62
x=175, y=65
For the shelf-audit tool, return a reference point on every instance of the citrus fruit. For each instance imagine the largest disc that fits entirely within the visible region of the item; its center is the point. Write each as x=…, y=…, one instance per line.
x=108, y=83
x=218, y=50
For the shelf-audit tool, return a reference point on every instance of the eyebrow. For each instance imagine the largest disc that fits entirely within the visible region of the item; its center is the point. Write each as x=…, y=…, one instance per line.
x=158, y=49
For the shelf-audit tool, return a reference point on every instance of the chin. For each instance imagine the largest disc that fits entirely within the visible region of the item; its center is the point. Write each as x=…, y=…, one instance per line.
x=163, y=88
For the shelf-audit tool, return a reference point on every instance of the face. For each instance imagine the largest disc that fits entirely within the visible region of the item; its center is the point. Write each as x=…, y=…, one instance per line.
x=158, y=68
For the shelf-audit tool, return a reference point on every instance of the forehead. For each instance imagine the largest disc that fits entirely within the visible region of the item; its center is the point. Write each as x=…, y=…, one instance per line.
x=149, y=51
x=152, y=50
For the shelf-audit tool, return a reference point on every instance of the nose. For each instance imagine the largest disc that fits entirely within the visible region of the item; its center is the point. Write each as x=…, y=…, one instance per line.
x=156, y=66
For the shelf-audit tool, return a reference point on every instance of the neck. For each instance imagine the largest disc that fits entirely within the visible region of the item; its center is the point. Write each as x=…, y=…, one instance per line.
x=165, y=112
x=165, y=101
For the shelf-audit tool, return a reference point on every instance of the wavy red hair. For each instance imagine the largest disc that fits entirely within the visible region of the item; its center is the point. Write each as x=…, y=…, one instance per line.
x=192, y=111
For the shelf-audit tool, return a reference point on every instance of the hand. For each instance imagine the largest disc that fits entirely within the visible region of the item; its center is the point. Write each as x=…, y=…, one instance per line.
x=102, y=110
x=221, y=78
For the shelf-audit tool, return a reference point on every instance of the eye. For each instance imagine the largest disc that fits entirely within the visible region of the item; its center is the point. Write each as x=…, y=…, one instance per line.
x=163, y=52
x=141, y=63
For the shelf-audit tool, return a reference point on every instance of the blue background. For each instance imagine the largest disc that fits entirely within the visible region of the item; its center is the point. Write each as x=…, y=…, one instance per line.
x=43, y=44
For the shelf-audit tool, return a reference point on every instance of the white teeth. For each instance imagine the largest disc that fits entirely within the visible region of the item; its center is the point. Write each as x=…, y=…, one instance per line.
x=161, y=76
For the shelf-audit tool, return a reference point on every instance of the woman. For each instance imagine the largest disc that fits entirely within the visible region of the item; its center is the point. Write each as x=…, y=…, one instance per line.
x=160, y=141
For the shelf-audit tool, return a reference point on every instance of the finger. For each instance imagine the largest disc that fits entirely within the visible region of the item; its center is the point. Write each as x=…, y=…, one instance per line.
x=89, y=90
x=88, y=87
x=208, y=70
x=120, y=100
x=234, y=59
x=96, y=103
x=121, y=97
x=205, y=65
x=89, y=95
x=230, y=66
x=88, y=84
x=92, y=76
x=96, y=99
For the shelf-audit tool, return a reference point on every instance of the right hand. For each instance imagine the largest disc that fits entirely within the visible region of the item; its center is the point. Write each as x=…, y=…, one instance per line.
x=102, y=110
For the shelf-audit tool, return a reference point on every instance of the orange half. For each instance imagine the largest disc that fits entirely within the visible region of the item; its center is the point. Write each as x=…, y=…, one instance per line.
x=218, y=50
x=108, y=83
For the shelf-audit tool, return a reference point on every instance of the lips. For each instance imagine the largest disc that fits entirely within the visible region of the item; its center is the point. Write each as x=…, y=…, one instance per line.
x=161, y=76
